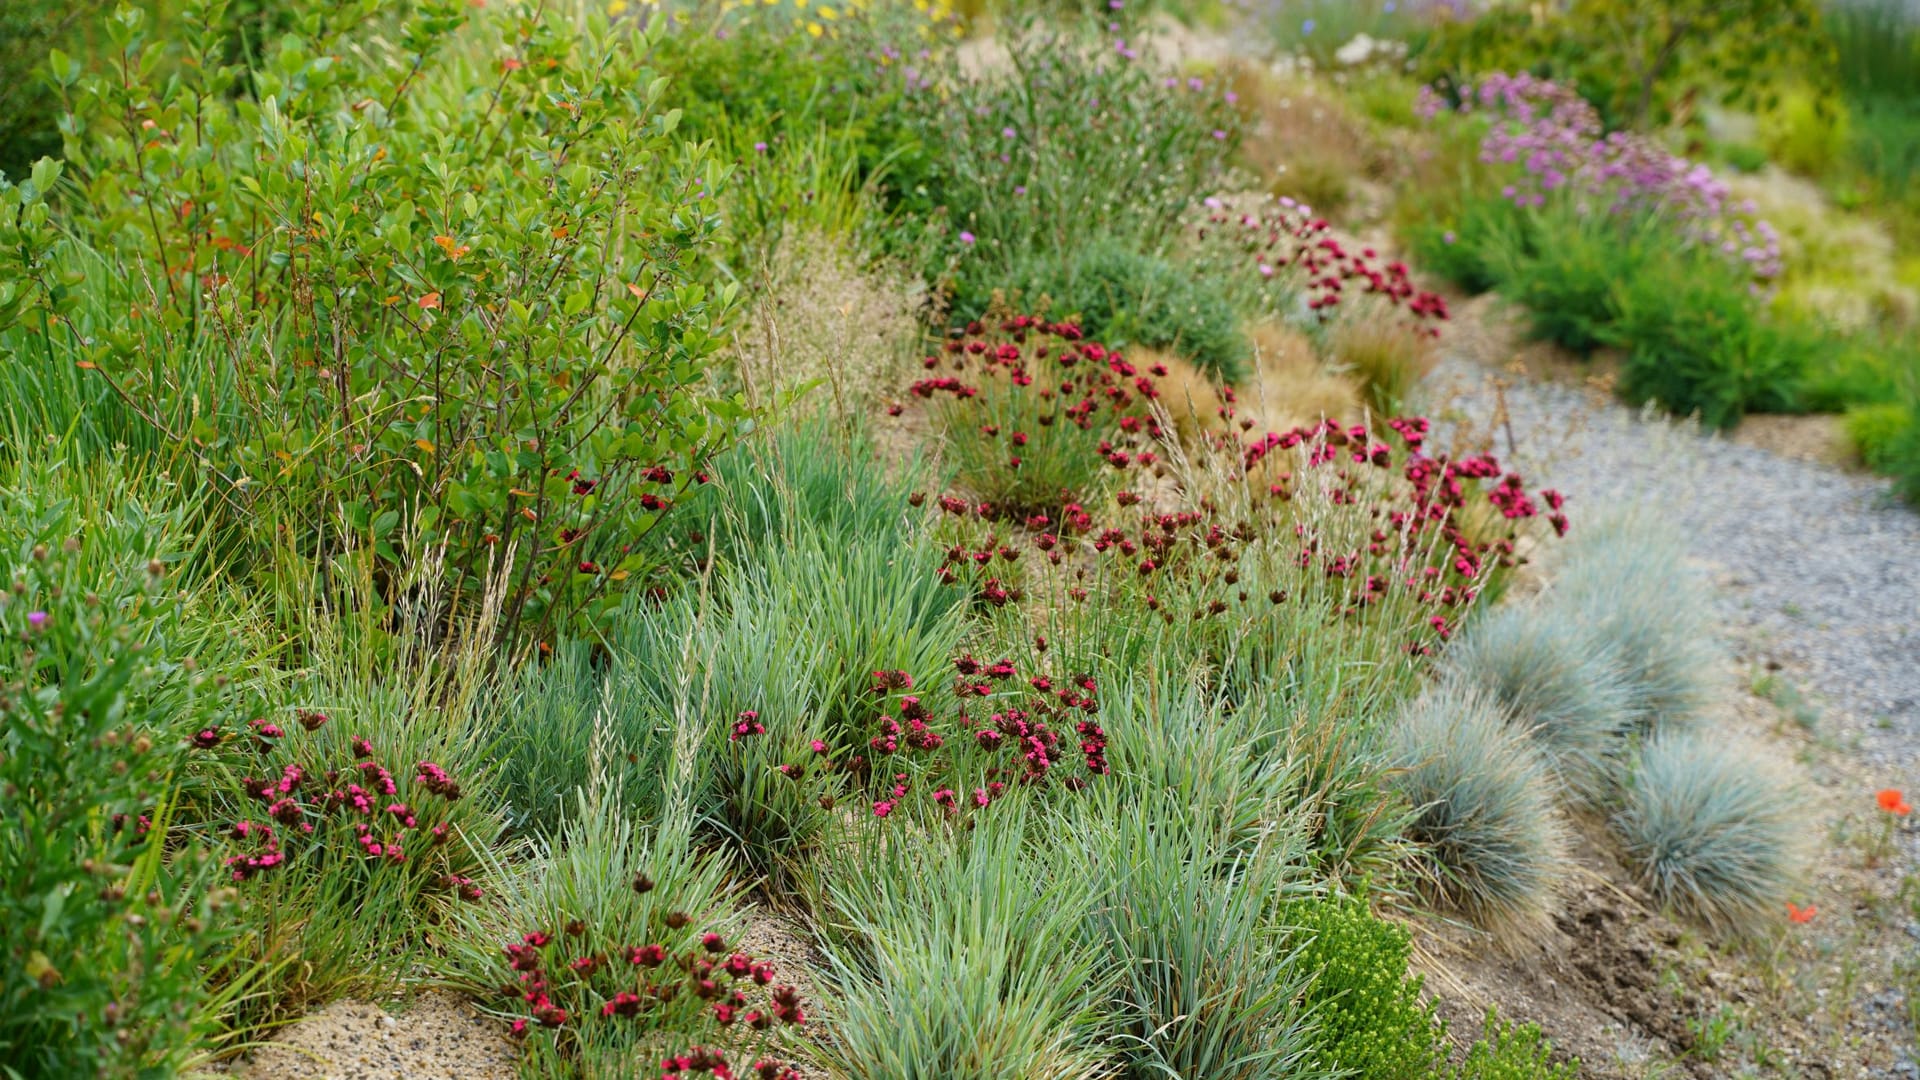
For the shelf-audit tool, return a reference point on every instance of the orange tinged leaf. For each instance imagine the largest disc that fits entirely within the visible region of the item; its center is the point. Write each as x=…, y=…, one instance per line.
x=85, y=365
x=638, y=292
x=454, y=250
x=424, y=444
x=429, y=302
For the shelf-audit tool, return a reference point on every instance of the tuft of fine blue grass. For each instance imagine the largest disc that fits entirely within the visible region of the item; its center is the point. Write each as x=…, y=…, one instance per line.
x=1711, y=831
x=1493, y=843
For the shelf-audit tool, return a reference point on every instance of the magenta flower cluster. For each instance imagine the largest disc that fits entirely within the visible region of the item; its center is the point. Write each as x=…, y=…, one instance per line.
x=1560, y=146
x=559, y=979
x=361, y=801
x=1289, y=244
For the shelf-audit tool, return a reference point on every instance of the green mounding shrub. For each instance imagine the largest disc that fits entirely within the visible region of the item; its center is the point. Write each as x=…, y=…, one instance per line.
x=769, y=76
x=1904, y=456
x=1860, y=369
x=1876, y=432
x=1123, y=297
x=1508, y=1051
x=1553, y=681
x=111, y=908
x=1697, y=342
x=1711, y=831
x=1565, y=267
x=1621, y=577
x=1207, y=987
x=399, y=368
x=29, y=102
x=1373, y=1021
x=961, y=957
x=608, y=886
x=1492, y=843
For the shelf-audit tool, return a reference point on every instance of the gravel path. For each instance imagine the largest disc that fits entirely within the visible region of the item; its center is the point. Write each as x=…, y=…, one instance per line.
x=1819, y=569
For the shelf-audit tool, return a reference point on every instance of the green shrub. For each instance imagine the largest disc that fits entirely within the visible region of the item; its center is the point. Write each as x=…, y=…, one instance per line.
x=1125, y=298
x=110, y=910
x=1373, y=1020
x=1506, y=1051
x=1711, y=831
x=1697, y=343
x=1566, y=266
x=1555, y=682
x=1876, y=432
x=29, y=103
x=959, y=957
x=1461, y=238
x=1744, y=157
x=1492, y=843
x=393, y=366
x=1805, y=134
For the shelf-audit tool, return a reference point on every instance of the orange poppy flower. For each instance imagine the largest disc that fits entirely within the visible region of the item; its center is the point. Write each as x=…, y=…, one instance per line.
x=1798, y=914
x=1893, y=802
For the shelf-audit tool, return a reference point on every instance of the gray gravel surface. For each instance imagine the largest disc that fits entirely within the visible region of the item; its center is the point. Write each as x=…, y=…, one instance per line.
x=1819, y=570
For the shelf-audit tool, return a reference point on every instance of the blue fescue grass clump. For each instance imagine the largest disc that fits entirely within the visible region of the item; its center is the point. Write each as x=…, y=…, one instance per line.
x=1711, y=831
x=1207, y=988
x=1552, y=680
x=1625, y=583
x=960, y=956
x=1494, y=844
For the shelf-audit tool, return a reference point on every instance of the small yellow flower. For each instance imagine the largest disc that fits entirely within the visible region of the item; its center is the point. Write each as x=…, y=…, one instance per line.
x=617, y=7
x=815, y=29
x=828, y=13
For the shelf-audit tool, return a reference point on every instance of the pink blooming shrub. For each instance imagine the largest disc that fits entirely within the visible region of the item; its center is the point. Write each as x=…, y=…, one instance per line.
x=949, y=750
x=568, y=981
x=356, y=809
x=1562, y=150
x=1036, y=417
x=1283, y=247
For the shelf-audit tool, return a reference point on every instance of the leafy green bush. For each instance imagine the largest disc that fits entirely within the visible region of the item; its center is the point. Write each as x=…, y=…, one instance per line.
x=328, y=292
x=1123, y=298
x=1638, y=62
x=1696, y=342
x=1555, y=682
x=1566, y=266
x=1373, y=1021
x=29, y=104
x=109, y=910
x=1876, y=432
x=1711, y=831
x=1492, y=842
x=1460, y=237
